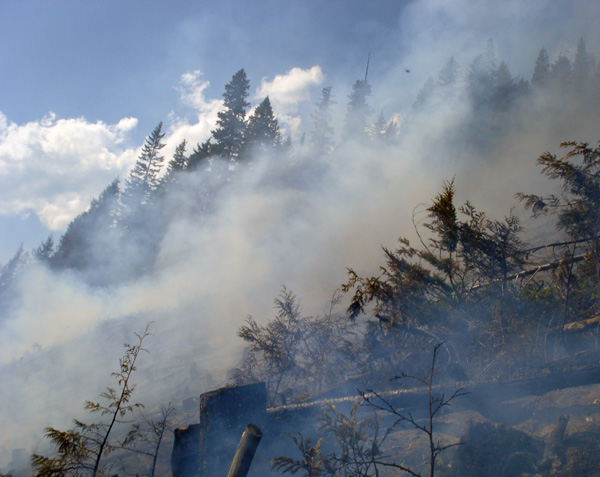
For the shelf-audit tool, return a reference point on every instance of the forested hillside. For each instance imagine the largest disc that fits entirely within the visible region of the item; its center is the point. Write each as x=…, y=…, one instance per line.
x=249, y=205
x=116, y=239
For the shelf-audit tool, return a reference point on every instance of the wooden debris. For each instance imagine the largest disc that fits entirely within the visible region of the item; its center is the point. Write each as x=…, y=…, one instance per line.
x=245, y=451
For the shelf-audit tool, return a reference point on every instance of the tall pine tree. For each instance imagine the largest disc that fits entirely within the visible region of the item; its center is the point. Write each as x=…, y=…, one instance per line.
x=9, y=275
x=45, y=251
x=176, y=165
x=481, y=78
x=424, y=95
x=263, y=129
x=144, y=178
x=448, y=74
x=141, y=223
x=321, y=137
x=358, y=109
x=200, y=156
x=560, y=72
x=583, y=66
x=541, y=71
x=230, y=133
x=89, y=237
x=505, y=89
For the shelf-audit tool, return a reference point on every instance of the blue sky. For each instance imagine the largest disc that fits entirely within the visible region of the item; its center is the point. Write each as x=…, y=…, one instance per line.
x=102, y=61
x=108, y=59
x=82, y=82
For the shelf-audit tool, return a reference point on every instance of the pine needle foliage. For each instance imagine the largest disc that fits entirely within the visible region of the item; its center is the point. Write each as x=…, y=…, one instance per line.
x=144, y=178
x=358, y=439
x=576, y=211
x=457, y=279
x=231, y=124
x=312, y=463
x=577, y=208
x=355, y=443
x=177, y=165
x=296, y=355
x=321, y=136
x=263, y=131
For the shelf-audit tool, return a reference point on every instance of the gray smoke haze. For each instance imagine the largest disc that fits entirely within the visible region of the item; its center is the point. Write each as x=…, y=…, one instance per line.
x=298, y=222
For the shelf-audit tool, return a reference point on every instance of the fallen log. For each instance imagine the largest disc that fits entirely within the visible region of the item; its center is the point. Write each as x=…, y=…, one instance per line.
x=484, y=396
x=208, y=449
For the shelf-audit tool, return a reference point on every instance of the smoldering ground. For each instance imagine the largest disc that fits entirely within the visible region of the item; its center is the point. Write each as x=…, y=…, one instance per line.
x=297, y=221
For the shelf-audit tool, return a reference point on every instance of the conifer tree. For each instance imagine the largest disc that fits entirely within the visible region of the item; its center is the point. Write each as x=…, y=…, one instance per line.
x=424, y=95
x=583, y=65
x=141, y=224
x=263, y=129
x=229, y=135
x=199, y=155
x=179, y=161
x=481, y=81
x=8, y=278
x=595, y=90
x=481, y=77
x=541, y=71
x=321, y=137
x=358, y=109
x=144, y=179
x=176, y=165
x=577, y=207
x=448, y=74
x=383, y=130
x=560, y=72
x=77, y=248
x=44, y=252
x=286, y=144
x=505, y=88
x=379, y=127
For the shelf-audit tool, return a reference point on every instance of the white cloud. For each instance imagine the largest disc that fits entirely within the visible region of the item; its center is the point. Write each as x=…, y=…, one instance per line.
x=191, y=89
x=192, y=93
x=58, y=213
x=54, y=167
x=288, y=90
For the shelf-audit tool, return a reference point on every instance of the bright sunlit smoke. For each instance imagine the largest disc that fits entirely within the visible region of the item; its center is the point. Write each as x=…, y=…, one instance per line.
x=297, y=221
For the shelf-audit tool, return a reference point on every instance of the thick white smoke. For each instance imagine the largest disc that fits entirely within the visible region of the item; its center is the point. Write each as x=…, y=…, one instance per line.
x=297, y=221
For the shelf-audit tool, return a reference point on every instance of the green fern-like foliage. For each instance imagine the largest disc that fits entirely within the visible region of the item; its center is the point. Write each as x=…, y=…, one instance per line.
x=73, y=454
x=312, y=463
